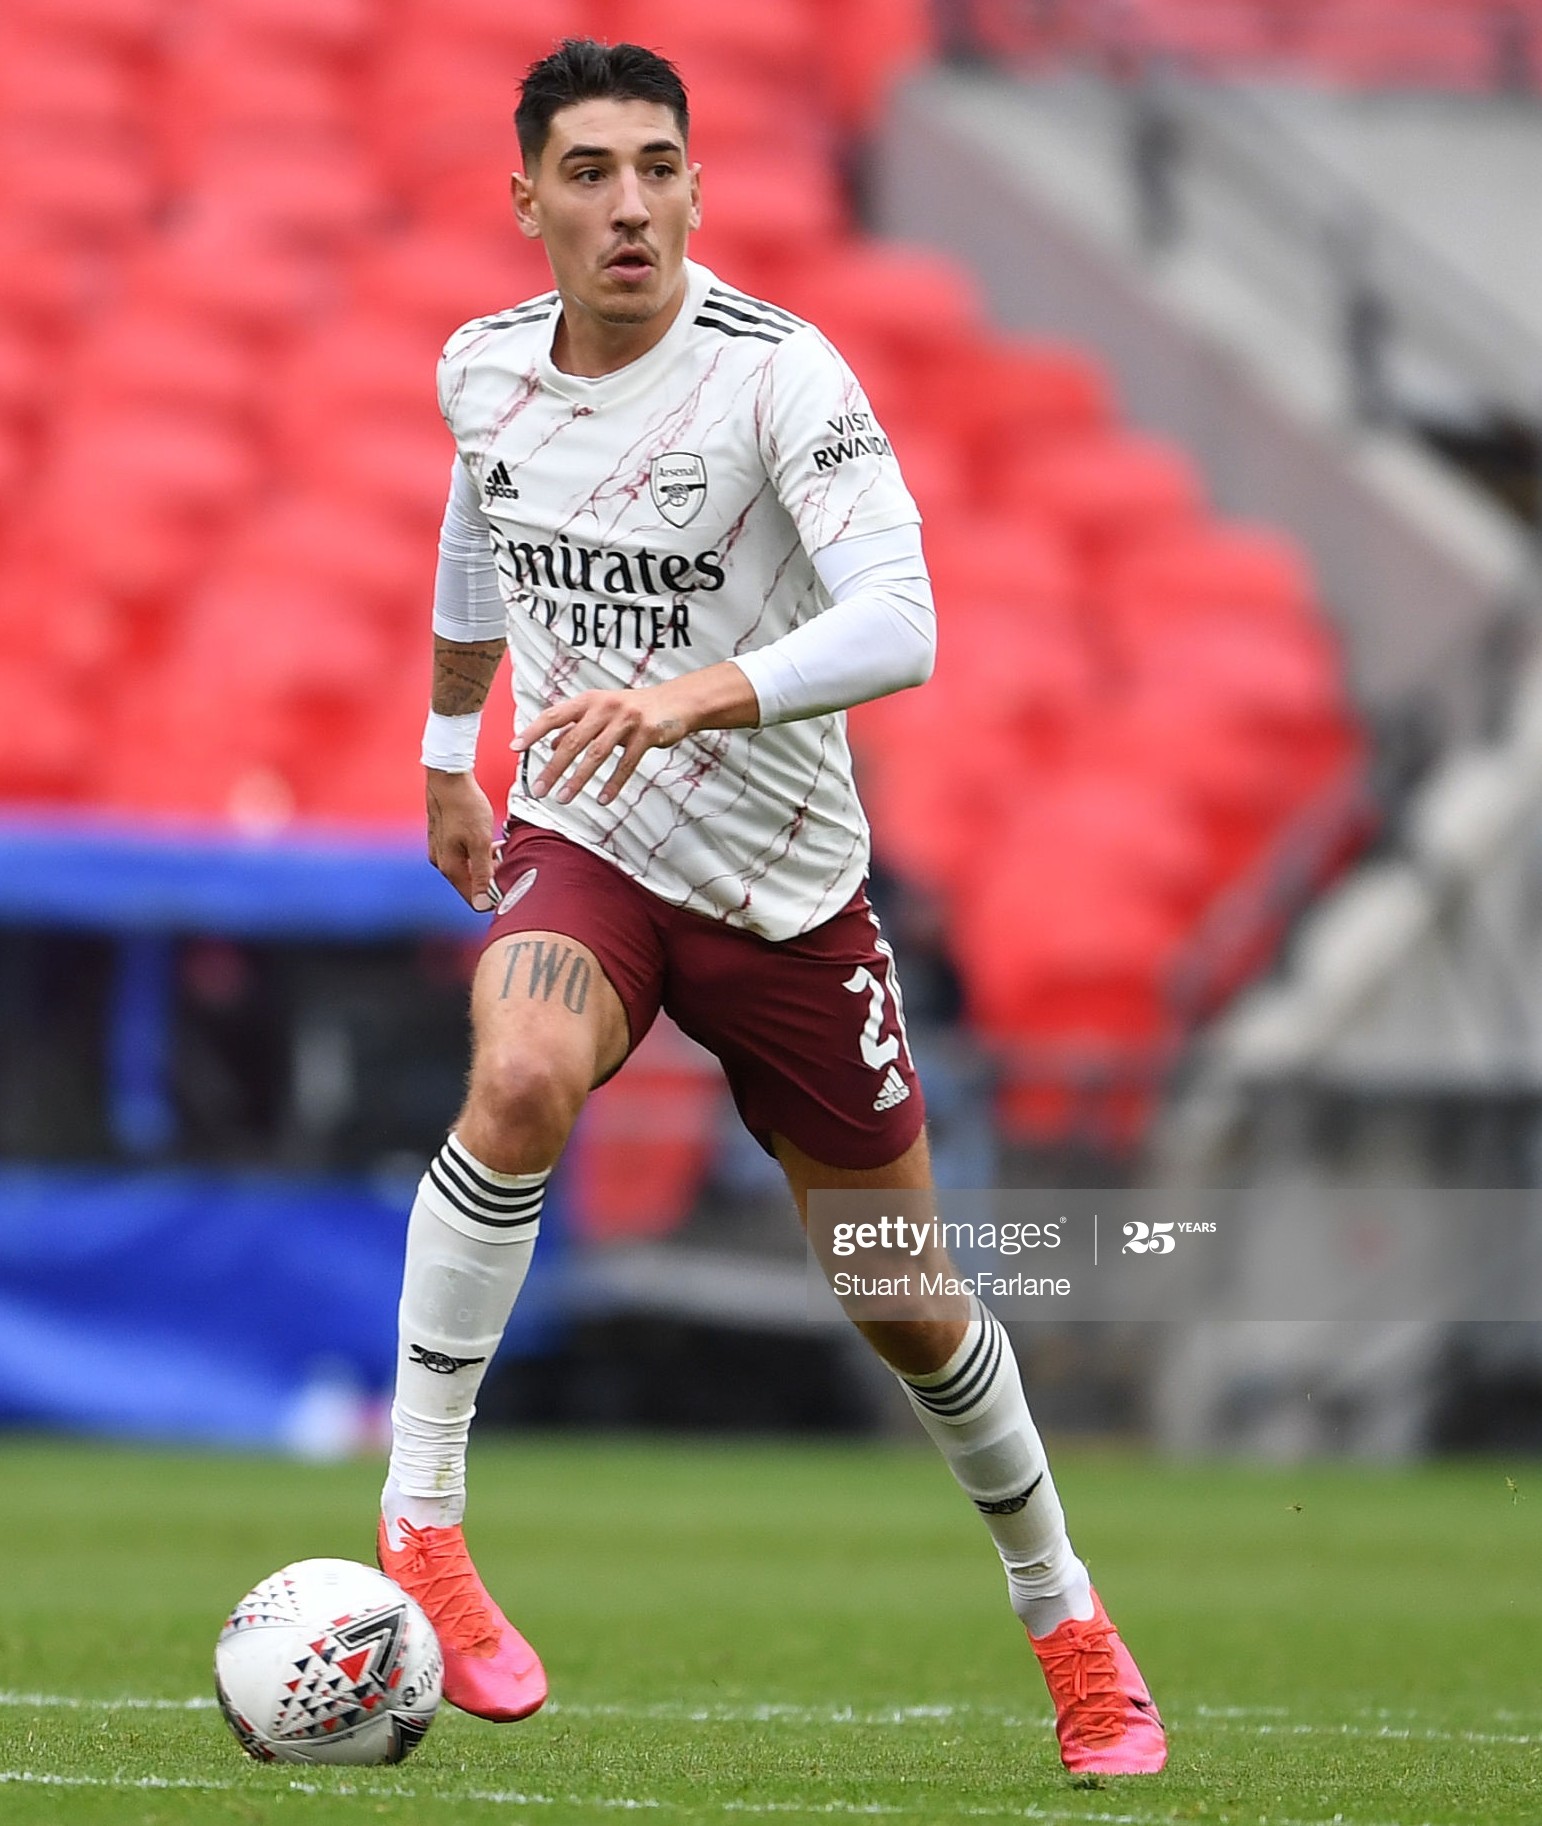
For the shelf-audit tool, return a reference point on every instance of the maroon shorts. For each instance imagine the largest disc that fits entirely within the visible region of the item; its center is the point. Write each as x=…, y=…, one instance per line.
x=810, y=1030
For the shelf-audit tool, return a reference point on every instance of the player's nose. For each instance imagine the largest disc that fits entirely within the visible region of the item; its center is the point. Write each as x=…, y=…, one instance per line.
x=631, y=205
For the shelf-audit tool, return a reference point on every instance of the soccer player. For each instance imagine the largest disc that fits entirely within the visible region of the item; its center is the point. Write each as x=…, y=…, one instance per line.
x=672, y=503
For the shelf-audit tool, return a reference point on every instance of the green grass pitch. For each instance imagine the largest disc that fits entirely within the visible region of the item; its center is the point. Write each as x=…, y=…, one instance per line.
x=798, y=1633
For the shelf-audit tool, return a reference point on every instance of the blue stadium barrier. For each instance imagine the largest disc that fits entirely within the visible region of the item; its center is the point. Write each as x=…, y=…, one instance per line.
x=253, y=1310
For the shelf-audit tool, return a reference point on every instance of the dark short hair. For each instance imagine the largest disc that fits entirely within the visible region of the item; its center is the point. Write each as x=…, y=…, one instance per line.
x=582, y=69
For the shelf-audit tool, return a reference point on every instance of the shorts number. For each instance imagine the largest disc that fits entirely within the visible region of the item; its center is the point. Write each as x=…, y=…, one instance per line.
x=875, y=1052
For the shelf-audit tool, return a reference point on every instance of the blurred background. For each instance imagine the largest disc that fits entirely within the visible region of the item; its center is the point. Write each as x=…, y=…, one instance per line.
x=1209, y=333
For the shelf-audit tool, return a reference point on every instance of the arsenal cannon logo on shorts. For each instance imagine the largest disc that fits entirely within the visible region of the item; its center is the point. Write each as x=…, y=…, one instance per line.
x=679, y=483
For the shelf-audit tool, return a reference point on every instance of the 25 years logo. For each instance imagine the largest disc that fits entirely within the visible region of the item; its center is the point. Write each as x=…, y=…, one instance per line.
x=1149, y=1239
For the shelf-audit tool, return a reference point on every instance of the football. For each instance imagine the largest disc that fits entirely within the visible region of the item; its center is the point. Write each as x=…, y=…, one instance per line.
x=328, y=1661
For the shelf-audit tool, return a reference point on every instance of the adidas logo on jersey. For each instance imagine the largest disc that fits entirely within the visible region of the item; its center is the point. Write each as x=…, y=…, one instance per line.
x=500, y=484
x=895, y=1090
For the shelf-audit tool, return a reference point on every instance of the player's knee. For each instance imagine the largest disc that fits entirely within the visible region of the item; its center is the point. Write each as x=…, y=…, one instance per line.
x=528, y=1100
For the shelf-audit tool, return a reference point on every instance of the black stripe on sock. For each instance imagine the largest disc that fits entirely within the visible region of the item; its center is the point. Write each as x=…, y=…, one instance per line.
x=453, y=1173
x=447, y=1172
x=960, y=1399
x=479, y=1185
x=447, y=1190
x=931, y=1390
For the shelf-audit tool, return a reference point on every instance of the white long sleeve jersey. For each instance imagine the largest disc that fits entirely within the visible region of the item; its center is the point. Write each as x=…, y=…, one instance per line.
x=655, y=521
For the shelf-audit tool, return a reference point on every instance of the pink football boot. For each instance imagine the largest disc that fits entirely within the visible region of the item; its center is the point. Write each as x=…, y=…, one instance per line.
x=489, y=1668
x=1105, y=1719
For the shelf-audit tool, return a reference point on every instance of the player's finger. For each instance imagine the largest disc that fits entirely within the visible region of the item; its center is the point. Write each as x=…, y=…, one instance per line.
x=481, y=866
x=557, y=717
x=625, y=767
x=567, y=752
x=594, y=757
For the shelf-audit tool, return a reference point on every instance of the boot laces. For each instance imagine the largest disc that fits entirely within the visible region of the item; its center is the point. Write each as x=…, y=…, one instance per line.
x=435, y=1567
x=1083, y=1680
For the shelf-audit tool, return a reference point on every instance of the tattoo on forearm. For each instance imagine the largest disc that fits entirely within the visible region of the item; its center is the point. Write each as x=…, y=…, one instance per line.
x=552, y=970
x=463, y=674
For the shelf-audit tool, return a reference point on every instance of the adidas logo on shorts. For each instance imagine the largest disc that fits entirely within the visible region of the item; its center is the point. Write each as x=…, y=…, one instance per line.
x=895, y=1090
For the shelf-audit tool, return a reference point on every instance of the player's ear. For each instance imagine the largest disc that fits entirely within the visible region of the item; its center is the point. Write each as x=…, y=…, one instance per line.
x=525, y=211
x=696, y=196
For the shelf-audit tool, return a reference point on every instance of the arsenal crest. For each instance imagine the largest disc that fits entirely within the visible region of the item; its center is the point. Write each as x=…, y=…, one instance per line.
x=679, y=483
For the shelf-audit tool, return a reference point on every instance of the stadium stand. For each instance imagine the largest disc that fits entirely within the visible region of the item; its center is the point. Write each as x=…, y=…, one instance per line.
x=1466, y=46
x=234, y=237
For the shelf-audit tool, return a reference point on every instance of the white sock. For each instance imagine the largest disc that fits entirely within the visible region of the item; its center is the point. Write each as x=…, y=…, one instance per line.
x=469, y=1242
x=975, y=1410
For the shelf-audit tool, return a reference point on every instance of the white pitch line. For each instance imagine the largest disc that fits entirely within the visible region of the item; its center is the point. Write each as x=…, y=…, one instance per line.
x=1403, y=1734
x=1243, y=1721
x=73, y=1702
x=770, y=1712
x=1251, y=1721
x=1041, y=1816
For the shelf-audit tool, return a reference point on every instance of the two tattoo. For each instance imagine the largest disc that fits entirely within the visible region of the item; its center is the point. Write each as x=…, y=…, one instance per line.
x=549, y=969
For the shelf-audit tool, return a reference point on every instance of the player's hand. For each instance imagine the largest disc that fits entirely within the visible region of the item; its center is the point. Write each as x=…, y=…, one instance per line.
x=596, y=724
x=460, y=836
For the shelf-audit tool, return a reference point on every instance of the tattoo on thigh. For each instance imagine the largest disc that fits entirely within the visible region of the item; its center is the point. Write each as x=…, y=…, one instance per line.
x=552, y=970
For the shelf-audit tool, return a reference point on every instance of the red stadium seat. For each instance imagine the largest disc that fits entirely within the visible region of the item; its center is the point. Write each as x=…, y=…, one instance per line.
x=272, y=622
x=1128, y=827
x=361, y=364
x=516, y=35
x=646, y=1140
x=46, y=752
x=1066, y=955
x=176, y=483
x=1229, y=774
x=776, y=207
x=157, y=359
x=735, y=113
x=80, y=89
x=1210, y=571
x=21, y=378
x=361, y=553
x=58, y=183
x=377, y=460
x=1393, y=44
x=1008, y=397
x=129, y=25
x=47, y=282
x=777, y=38
x=441, y=109
x=864, y=46
x=1106, y=489
x=219, y=97
x=310, y=197
x=50, y=617
x=998, y=558
x=334, y=28
x=233, y=274
x=934, y=469
x=913, y=301
x=438, y=281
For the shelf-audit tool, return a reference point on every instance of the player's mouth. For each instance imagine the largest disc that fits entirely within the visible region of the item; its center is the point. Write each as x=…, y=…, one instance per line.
x=632, y=266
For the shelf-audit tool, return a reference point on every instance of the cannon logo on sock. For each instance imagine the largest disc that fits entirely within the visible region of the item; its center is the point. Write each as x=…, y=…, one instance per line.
x=1008, y=1505
x=438, y=1362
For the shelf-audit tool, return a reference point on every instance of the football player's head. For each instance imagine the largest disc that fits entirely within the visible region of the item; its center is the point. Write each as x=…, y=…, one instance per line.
x=608, y=186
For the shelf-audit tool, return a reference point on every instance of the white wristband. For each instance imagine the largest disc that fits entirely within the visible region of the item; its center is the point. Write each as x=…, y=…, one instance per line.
x=450, y=742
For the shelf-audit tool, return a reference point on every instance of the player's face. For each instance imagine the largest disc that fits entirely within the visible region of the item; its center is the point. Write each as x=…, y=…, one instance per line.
x=613, y=199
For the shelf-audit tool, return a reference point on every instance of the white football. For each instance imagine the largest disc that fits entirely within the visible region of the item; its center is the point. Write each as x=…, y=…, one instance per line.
x=328, y=1661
